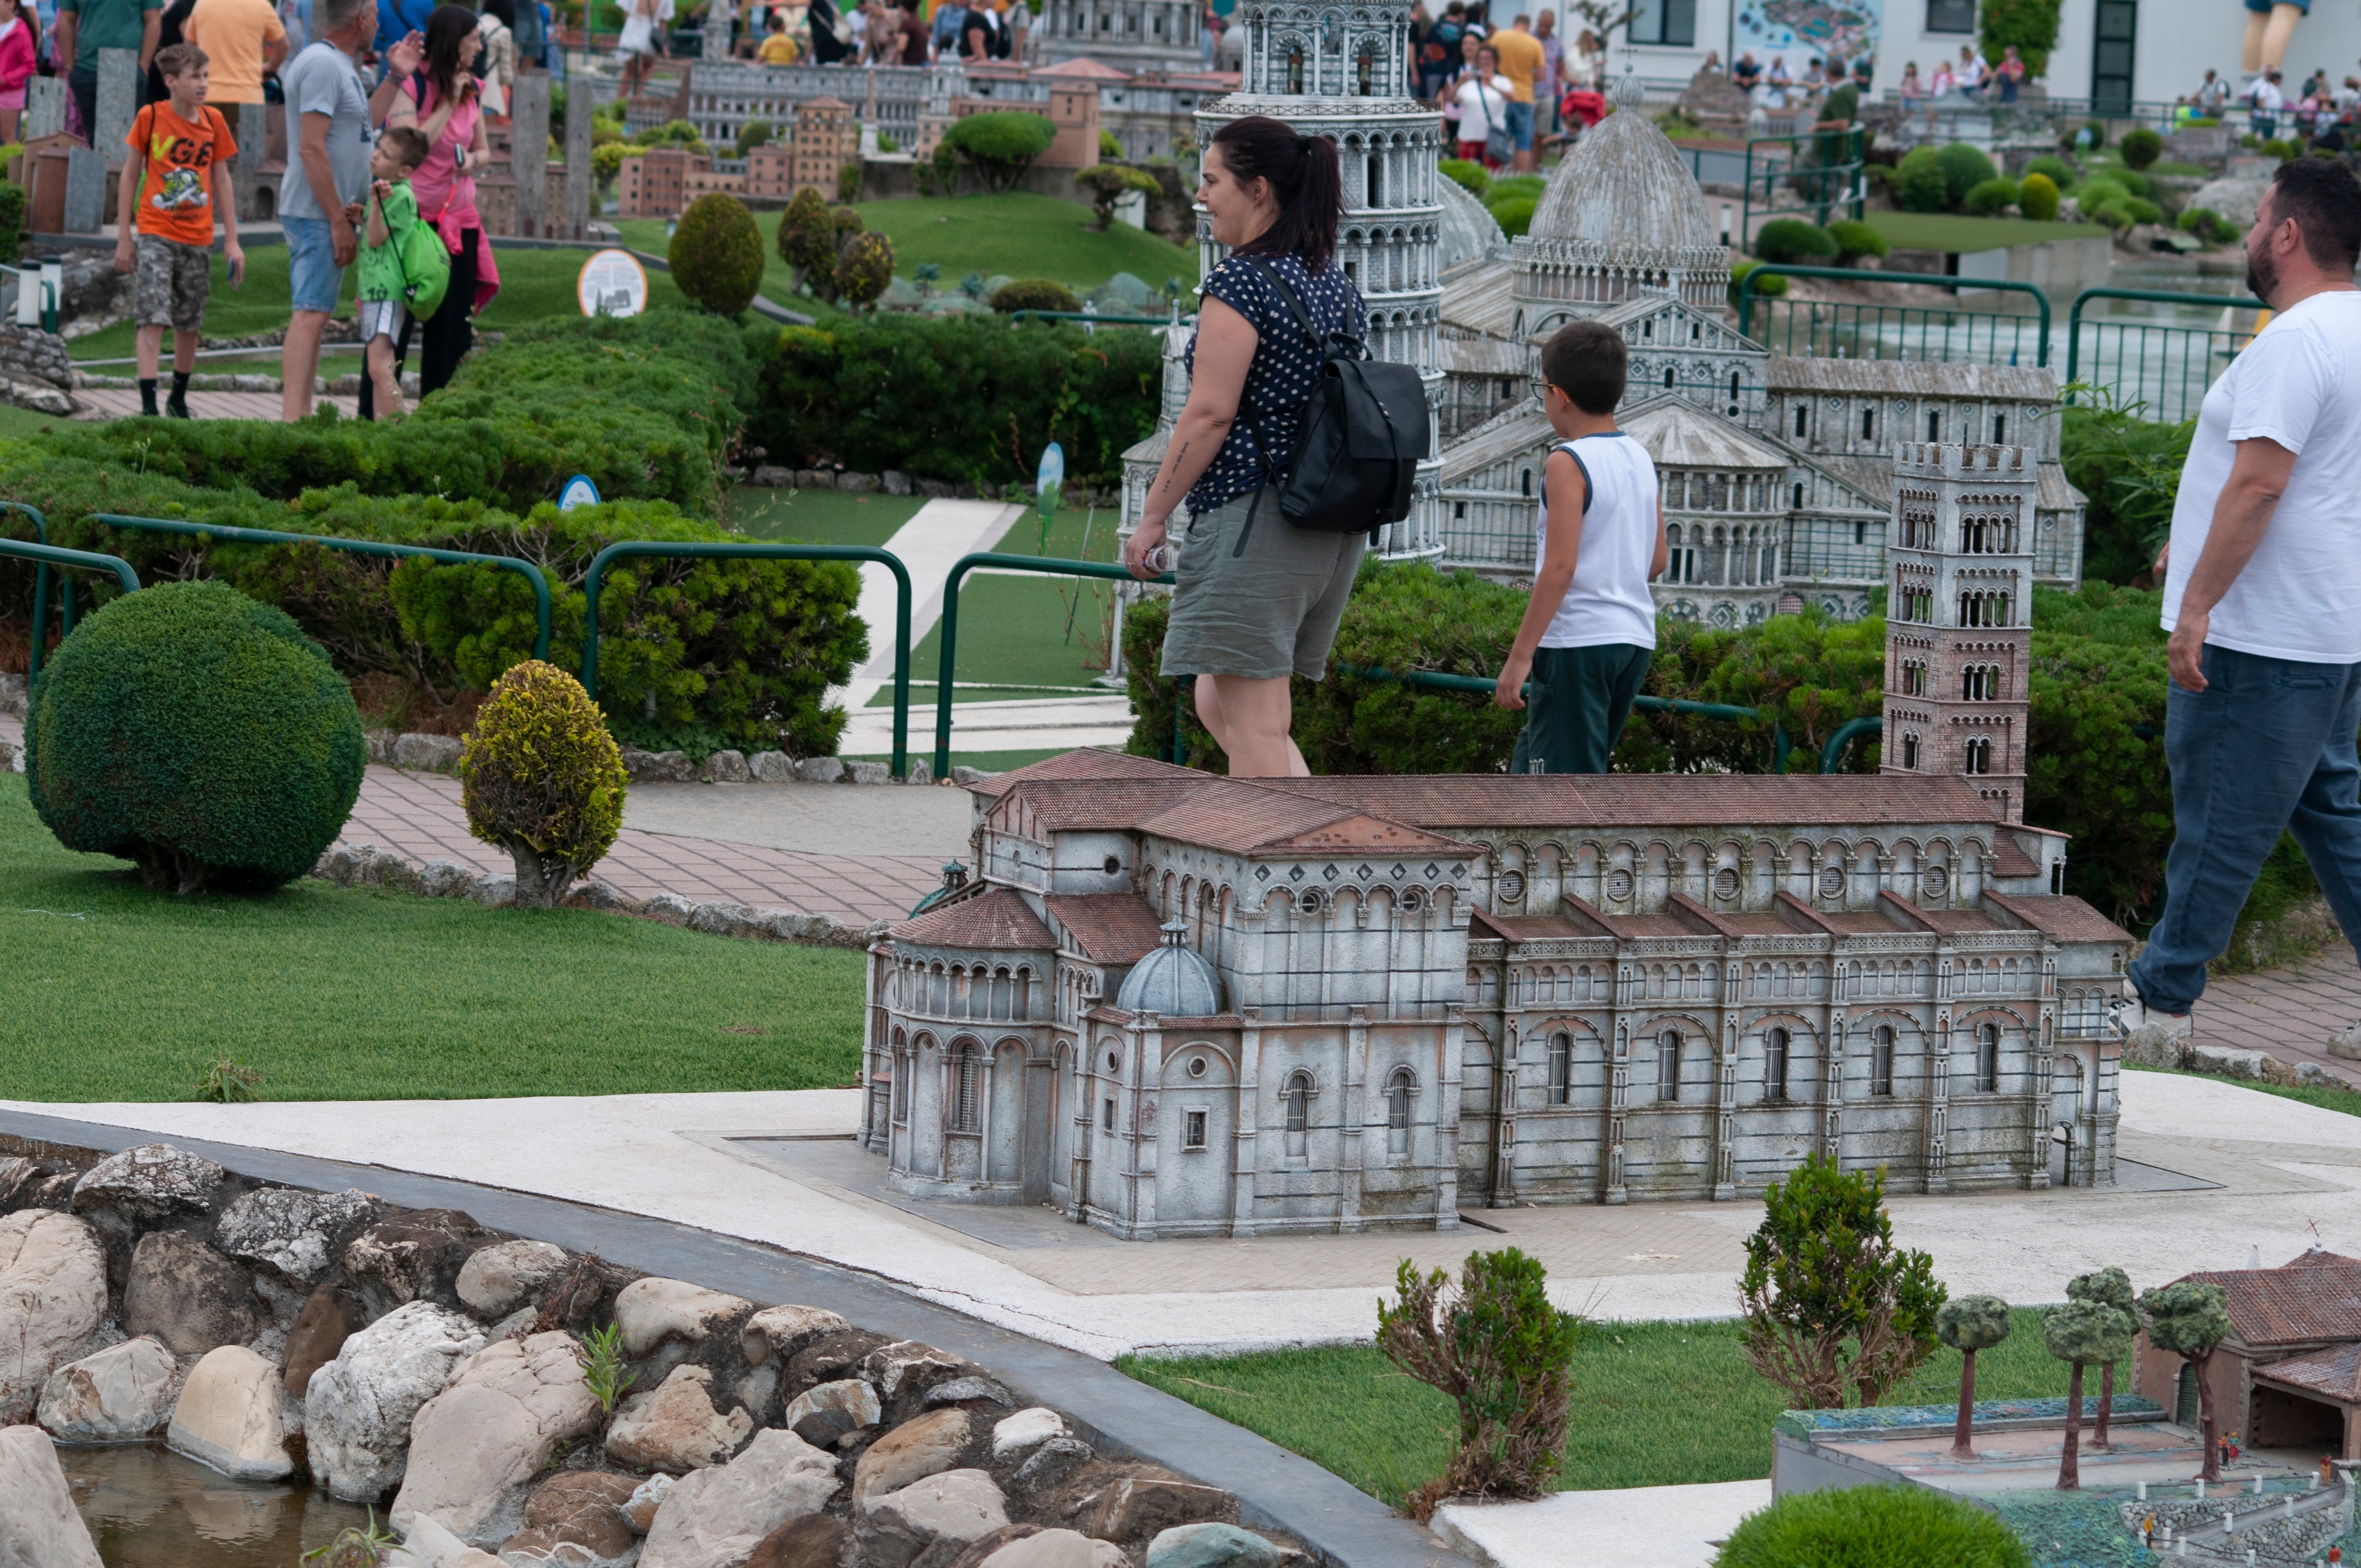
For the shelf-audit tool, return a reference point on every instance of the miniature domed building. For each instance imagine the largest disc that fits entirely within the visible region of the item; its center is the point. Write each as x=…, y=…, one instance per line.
x=1622, y=214
x=1466, y=233
x=1173, y=980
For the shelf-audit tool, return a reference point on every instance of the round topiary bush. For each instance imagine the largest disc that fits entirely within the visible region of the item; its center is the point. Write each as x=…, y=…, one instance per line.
x=1990, y=198
x=2143, y=211
x=2059, y=172
x=2037, y=197
x=2140, y=147
x=1919, y=183
x=1034, y=294
x=542, y=779
x=1964, y=167
x=864, y=270
x=1764, y=288
x=1856, y=239
x=1513, y=214
x=716, y=253
x=1794, y=240
x=1467, y=174
x=197, y=733
x=1872, y=1527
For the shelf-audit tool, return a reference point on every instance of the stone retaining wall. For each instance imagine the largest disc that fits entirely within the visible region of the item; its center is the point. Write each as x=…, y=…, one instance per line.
x=440, y=754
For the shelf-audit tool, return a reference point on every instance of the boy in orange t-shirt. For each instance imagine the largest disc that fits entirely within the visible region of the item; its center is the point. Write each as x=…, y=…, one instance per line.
x=174, y=185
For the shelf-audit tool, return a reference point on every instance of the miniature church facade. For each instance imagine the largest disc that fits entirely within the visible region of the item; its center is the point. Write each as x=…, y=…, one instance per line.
x=1170, y=1004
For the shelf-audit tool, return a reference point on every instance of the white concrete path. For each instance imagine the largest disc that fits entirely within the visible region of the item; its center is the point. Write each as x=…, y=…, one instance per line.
x=930, y=545
x=1645, y=1527
x=1025, y=724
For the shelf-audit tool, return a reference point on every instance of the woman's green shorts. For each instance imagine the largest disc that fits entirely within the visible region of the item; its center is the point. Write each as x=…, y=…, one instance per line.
x=1267, y=611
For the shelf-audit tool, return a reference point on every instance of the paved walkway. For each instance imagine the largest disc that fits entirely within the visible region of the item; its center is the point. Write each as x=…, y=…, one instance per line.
x=1029, y=724
x=928, y=546
x=110, y=402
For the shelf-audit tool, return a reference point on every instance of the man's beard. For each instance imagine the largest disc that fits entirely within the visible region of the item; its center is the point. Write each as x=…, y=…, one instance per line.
x=2262, y=275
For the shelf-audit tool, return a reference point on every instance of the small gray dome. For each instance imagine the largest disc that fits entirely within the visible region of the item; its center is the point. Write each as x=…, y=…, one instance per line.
x=1173, y=980
x=1625, y=187
x=1467, y=232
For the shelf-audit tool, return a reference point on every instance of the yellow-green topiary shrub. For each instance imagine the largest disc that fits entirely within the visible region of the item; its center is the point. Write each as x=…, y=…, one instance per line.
x=543, y=779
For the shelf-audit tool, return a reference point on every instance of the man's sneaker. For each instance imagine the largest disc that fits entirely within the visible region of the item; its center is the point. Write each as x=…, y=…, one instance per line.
x=2129, y=1014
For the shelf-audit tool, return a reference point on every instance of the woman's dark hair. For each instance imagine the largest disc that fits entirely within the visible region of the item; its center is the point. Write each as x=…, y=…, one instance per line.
x=447, y=28
x=1304, y=178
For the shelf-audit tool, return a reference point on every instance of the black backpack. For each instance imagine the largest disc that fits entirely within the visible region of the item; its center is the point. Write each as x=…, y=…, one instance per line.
x=1364, y=432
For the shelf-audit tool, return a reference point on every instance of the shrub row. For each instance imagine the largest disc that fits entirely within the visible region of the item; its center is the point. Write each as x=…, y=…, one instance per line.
x=2098, y=677
x=647, y=407
x=969, y=401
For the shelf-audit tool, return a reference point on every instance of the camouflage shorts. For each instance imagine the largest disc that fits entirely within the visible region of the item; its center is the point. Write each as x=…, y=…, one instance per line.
x=169, y=288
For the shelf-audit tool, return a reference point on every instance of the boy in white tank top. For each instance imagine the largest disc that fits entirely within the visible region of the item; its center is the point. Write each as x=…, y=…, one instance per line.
x=1589, y=631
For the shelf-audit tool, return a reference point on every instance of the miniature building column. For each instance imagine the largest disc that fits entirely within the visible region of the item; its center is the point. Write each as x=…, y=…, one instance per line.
x=1448, y=1078
x=1725, y=1122
x=1619, y=1102
x=1938, y=1100
x=1247, y=1140
x=1353, y=1114
x=1504, y=1114
x=1832, y=1116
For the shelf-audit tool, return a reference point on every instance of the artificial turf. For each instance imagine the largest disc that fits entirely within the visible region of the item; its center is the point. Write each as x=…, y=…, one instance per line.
x=818, y=517
x=1028, y=631
x=1655, y=1404
x=118, y=993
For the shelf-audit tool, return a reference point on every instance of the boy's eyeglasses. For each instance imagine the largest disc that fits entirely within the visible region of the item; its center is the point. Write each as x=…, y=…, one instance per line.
x=1540, y=389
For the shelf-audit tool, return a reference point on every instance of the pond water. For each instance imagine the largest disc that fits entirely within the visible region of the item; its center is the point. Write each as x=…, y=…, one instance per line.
x=149, y=1507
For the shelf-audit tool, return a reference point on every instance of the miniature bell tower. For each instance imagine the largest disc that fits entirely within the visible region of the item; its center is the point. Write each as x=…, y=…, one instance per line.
x=1958, y=616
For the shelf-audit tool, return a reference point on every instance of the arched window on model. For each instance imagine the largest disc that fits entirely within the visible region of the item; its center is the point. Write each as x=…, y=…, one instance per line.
x=1295, y=69
x=1881, y=1059
x=1561, y=1069
x=1979, y=756
x=1668, y=1065
x=967, y=1085
x=901, y=1097
x=1775, y=1064
x=1935, y=425
x=1399, y=1087
x=1803, y=416
x=1364, y=81
x=1295, y=1105
x=1910, y=751
x=1988, y=1058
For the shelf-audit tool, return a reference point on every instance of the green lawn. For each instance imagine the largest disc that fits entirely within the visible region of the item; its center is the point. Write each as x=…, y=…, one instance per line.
x=1952, y=231
x=1022, y=234
x=1655, y=1404
x=15, y=422
x=535, y=285
x=818, y=517
x=1014, y=629
x=117, y=992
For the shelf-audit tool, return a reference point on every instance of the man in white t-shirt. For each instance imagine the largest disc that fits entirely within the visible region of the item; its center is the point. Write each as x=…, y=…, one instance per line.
x=2263, y=599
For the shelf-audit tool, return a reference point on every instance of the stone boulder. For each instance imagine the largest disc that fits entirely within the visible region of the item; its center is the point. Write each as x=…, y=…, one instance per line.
x=651, y=1311
x=1211, y=1546
x=1025, y=1430
x=2234, y=198
x=574, y=1520
x=154, y=1182
x=1146, y=1503
x=412, y=1258
x=780, y=1331
x=1047, y=1467
x=232, y=1415
x=52, y=1297
x=120, y=1395
x=822, y=1414
x=39, y=1526
x=903, y=1371
x=928, y=1523
x=496, y=1280
x=814, y=1540
x=187, y=1294
x=429, y=1543
x=292, y=1231
x=358, y=1408
x=910, y=1452
x=676, y=1427
x=330, y=1316
x=979, y=1394
x=646, y=1500
x=716, y=1517
x=1039, y=1546
x=474, y=1445
x=828, y=1359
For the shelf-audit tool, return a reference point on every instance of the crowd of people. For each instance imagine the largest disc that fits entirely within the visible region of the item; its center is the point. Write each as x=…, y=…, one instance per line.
x=1506, y=92
x=2319, y=114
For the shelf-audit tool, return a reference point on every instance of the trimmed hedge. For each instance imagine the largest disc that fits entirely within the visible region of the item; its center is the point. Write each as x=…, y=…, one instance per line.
x=197, y=733
x=968, y=400
x=1872, y=1527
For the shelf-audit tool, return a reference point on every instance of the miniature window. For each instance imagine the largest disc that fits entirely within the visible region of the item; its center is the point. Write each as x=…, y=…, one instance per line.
x=1938, y=880
x=1988, y=1058
x=968, y=1069
x=1512, y=886
x=1295, y=1101
x=1668, y=378
x=901, y=1090
x=1668, y=1066
x=1561, y=1069
x=1832, y=882
x=1881, y=1061
x=1979, y=756
x=1365, y=81
x=1868, y=425
x=1910, y=751
x=1106, y=1114
x=1935, y=425
x=1803, y=412
x=1192, y=1130
x=1619, y=886
x=1999, y=428
x=1399, y=1087
x=1295, y=69
x=1724, y=882
x=1196, y=1067
x=1774, y=1065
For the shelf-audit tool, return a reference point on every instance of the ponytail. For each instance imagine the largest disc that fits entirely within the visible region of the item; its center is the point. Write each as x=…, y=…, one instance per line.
x=1305, y=179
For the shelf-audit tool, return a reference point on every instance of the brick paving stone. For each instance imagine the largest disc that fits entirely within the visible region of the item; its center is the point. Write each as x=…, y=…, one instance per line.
x=112, y=403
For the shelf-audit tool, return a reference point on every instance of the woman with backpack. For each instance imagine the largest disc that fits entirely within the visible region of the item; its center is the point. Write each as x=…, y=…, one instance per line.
x=1258, y=596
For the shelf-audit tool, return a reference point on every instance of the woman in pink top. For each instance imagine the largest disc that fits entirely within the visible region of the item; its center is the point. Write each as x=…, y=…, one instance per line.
x=440, y=98
x=18, y=63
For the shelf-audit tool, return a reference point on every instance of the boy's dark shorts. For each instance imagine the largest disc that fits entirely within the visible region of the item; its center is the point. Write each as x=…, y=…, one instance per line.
x=1575, y=707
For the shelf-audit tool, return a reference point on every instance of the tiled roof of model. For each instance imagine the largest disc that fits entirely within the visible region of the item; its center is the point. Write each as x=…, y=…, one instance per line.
x=1085, y=763
x=1109, y=927
x=1908, y=378
x=997, y=917
x=1679, y=434
x=1624, y=187
x=1637, y=800
x=2061, y=915
x=1082, y=70
x=1084, y=805
x=2335, y=1372
x=1245, y=818
x=1483, y=301
x=2314, y=1296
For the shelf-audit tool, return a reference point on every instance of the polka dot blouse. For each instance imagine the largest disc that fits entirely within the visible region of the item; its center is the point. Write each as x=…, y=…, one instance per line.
x=1286, y=365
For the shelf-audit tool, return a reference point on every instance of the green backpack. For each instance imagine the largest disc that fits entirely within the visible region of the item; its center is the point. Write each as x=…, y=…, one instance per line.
x=425, y=268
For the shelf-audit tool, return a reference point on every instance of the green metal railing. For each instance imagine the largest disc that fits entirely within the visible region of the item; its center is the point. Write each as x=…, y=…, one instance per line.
x=1780, y=745
x=2168, y=366
x=1850, y=729
x=58, y=555
x=526, y=569
x=1045, y=565
x=41, y=587
x=632, y=548
x=1823, y=168
x=1827, y=330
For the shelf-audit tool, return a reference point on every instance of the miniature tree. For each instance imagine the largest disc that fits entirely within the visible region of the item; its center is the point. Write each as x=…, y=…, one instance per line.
x=1970, y=1324
x=2112, y=1288
x=865, y=271
x=2080, y=1332
x=541, y=778
x=1500, y=1349
x=1831, y=1303
x=808, y=242
x=2190, y=1318
x=1000, y=145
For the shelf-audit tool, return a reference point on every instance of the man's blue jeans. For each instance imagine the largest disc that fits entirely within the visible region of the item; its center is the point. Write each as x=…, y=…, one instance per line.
x=2267, y=746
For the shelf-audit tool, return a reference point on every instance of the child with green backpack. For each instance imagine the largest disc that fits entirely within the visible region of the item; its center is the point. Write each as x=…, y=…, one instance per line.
x=396, y=274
